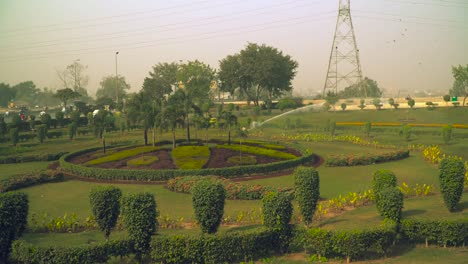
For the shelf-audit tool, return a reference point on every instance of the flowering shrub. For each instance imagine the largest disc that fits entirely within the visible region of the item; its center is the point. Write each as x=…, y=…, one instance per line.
x=353, y=160
x=312, y=137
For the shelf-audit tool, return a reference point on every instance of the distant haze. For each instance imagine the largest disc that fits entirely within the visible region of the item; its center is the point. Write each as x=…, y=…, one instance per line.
x=404, y=45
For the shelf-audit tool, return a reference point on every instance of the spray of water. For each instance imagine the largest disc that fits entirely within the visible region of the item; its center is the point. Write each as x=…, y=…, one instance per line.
x=307, y=108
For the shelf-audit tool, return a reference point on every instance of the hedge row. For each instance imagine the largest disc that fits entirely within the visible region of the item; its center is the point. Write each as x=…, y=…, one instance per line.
x=259, y=151
x=353, y=160
x=441, y=233
x=22, y=181
x=234, y=190
x=31, y=158
x=229, y=248
x=23, y=252
x=162, y=175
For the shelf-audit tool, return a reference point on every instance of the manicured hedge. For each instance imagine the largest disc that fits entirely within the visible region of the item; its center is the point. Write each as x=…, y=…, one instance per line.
x=31, y=158
x=190, y=157
x=260, y=151
x=162, y=175
x=23, y=252
x=227, y=248
x=123, y=154
x=441, y=233
x=22, y=181
x=355, y=160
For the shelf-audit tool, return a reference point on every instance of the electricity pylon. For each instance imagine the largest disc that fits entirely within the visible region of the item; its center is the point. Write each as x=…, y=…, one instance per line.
x=344, y=67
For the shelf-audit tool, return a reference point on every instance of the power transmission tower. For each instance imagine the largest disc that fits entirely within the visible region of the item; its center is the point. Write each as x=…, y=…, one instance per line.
x=344, y=67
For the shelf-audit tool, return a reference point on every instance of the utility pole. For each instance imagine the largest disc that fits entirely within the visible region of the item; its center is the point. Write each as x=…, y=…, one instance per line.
x=116, y=80
x=344, y=67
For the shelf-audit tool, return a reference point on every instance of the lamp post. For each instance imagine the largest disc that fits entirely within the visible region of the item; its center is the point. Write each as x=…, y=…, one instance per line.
x=116, y=80
x=240, y=144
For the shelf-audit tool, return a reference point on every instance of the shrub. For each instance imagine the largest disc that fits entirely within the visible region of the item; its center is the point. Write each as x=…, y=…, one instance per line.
x=105, y=204
x=13, y=218
x=139, y=216
x=246, y=160
x=123, y=154
x=277, y=210
x=440, y=232
x=451, y=178
x=72, y=128
x=307, y=191
x=353, y=160
x=411, y=103
x=343, y=106
x=382, y=179
x=391, y=203
x=332, y=128
x=21, y=181
x=14, y=136
x=191, y=157
x=41, y=132
x=447, y=133
x=142, y=161
x=405, y=131
x=46, y=119
x=260, y=151
x=59, y=115
x=367, y=128
x=208, y=203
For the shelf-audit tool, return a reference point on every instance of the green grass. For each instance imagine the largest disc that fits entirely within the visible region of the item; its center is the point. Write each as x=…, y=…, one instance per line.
x=430, y=208
x=8, y=170
x=142, y=161
x=259, y=151
x=191, y=157
x=265, y=144
x=120, y=155
x=245, y=160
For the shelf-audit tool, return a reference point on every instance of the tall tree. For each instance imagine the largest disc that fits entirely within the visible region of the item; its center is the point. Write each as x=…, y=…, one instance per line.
x=194, y=78
x=74, y=76
x=6, y=94
x=174, y=112
x=141, y=110
x=65, y=95
x=366, y=88
x=460, y=85
x=260, y=72
x=113, y=87
x=26, y=92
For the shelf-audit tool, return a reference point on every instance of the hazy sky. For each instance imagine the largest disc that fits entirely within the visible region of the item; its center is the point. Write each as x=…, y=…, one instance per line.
x=404, y=45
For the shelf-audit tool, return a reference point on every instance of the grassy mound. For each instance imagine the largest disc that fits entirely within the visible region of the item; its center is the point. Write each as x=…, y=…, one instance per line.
x=191, y=157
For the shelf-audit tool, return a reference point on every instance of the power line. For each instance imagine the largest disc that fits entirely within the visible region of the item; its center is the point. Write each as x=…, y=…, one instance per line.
x=411, y=17
x=428, y=4
x=413, y=22
x=141, y=31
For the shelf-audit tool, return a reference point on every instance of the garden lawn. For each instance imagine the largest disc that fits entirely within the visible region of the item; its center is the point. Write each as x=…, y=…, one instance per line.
x=8, y=170
x=191, y=157
x=56, y=199
x=123, y=154
x=427, y=208
x=341, y=180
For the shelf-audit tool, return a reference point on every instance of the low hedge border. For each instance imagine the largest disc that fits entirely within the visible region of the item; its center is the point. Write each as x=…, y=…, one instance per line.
x=163, y=175
x=441, y=233
x=21, y=181
x=353, y=160
x=24, y=252
x=31, y=158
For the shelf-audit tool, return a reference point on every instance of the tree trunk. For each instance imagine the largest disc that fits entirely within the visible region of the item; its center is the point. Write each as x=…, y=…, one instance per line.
x=229, y=136
x=154, y=136
x=464, y=99
x=173, y=138
x=188, y=129
x=145, y=136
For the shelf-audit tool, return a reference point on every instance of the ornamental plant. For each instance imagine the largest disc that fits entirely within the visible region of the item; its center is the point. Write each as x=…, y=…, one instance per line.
x=13, y=218
x=14, y=136
x=277, y=210
x=382, y=179
x=367, y=128
x=307, y=191
x=105, y=204
x=139, y=216
x=72, y=128
x=208, y=203
x=447, y=133
x=391, y=203
x=41, y=132
x=451, y=178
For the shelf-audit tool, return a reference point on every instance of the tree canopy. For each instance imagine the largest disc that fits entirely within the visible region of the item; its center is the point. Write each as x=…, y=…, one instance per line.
x=460, y=85
x=365, y=88
x=259, y=72
x=6, y=94
x=66, y=94
x=113, y=87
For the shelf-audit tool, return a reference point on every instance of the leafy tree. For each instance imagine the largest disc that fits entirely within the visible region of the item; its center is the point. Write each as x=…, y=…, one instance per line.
x=113, y=87
x=72, y=128
x=66, y=94
x=139, y=215
x=277, y=210
x=230, y=121
x=451, y=179
x=382, y=180
x=286, y=103
x=46, y=119
x=208, y=203
x=406, y=132
x=343, y=106
x=460, y=85
x=14, y=135
x=26, y=92
x=332, y=98
x=411, y=103
x=13, y=218
x=447, y=133
x=391, y=101
x=59, y=116
x=362, y=104
x=41, y=132
x=391, y=203
x=194, y=79
x=446, y=98
x=257, y=71
x=174, y=113
x=376, y=102
x=307, y=191
x=75, y=117
x=366, y=88
x=143, y=111
x=105, y=204
x=3, y=126
x=6, y=94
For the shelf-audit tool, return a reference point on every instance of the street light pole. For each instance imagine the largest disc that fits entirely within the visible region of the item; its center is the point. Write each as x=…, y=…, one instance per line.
x=116, y=80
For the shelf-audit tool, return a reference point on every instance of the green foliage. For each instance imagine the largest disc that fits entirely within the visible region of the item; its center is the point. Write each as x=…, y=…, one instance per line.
x=13, y=218
x=105, y=205
x=14, y=135
x=366, y=88
x=286, y=103
x=3, y=126
x=377, y=103
x=307, y=191
x=447, y=133
x=142, y=161
x=447, y=98
x=72, y=128
x=23, y=252
x=343, y=106
x=411, y=103
x=367, y=128
x=66, y=94
x=391, y=203
x=438, y=232
x=41, y=132
x=234, y=190
x=259, y=151
x=245, y=160
x=406, y=132
x=120, y=155
x=208, y=203
x=362, y=104
x=25, y=180
x=46, y=120
x=31, y=158
x=331, y=98
x=391, y=101
x=382, y=180
x=277, y=210
x=75, y=117
x=191, y=157
x=233, y=247
x=139, y=216
x=365, y=159
x=332, y=127
x=451, y=179
x=59, y=115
